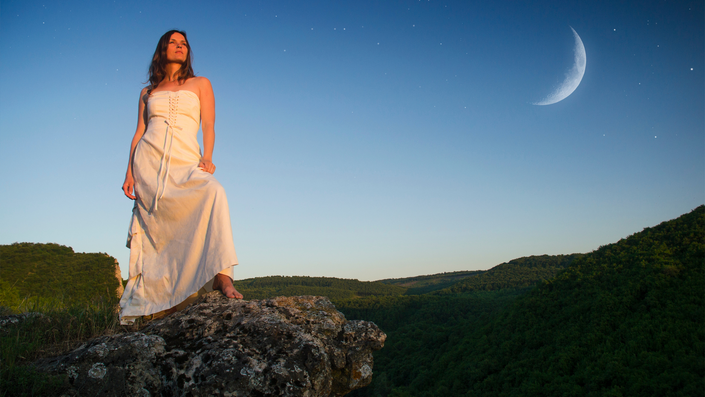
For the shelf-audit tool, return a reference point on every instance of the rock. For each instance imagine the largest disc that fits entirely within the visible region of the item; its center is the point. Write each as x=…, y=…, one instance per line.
x=286, y=346
x=12, y=319
x=118, y=275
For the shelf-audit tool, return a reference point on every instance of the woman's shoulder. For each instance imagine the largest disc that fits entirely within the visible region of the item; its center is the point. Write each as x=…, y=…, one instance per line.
x=203, y=87
x=201, y=82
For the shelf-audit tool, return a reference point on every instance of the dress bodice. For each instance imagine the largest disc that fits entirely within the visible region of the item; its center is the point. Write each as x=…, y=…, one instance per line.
x=179, y=108
x=169, y=142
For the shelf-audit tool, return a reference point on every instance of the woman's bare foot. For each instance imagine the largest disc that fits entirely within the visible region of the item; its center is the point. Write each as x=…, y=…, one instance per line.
x=224, y=284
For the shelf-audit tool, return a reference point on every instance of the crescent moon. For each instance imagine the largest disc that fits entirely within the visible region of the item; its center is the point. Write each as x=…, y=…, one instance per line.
x=573, y=77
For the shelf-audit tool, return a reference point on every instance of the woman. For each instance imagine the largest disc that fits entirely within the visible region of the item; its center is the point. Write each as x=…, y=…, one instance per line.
x=180, y=237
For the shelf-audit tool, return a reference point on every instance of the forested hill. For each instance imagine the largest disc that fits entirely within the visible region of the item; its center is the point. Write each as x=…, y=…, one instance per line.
x=515, y=274
x=333, y=288
x=625, y=320
x=424, y=284
x=55, y=272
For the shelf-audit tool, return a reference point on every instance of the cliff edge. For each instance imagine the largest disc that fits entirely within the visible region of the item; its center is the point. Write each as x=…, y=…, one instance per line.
x=286, y=346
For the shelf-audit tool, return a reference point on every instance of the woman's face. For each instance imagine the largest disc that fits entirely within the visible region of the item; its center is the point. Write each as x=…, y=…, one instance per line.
x=177, y=51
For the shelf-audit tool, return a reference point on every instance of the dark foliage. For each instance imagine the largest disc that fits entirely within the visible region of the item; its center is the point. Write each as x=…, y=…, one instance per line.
x=518, y=273
x=333, y=288
x=424, y=284
x=419, y=328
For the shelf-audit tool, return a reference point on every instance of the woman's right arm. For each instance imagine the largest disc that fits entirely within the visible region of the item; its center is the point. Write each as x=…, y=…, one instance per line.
x=129, y=185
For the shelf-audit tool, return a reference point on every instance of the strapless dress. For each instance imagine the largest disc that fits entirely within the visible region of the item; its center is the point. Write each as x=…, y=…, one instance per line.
x=180, y=235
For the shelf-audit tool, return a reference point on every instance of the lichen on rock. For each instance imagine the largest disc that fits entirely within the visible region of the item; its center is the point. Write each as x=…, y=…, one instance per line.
x=286, y=346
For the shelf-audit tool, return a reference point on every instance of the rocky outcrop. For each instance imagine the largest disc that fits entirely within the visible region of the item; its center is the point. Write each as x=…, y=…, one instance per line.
x=13, y=319
x=287, y=346
x=118, y=275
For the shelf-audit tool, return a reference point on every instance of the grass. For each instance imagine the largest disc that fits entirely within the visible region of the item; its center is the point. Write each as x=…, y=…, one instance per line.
x=48, y=327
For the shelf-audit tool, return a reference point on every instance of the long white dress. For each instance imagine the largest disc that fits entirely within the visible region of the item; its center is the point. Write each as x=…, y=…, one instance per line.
x=180, y=235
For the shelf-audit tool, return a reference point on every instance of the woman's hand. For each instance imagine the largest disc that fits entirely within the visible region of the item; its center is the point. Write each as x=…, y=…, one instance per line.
x=129, y=186
x=206, y=165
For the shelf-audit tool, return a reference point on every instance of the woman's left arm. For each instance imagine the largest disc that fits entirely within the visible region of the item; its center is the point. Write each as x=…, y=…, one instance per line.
x=207, y=123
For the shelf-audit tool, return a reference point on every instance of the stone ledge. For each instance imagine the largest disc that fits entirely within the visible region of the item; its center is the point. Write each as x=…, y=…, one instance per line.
x=286, y=346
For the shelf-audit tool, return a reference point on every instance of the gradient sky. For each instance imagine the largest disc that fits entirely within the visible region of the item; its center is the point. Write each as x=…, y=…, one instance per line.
x=366, y=139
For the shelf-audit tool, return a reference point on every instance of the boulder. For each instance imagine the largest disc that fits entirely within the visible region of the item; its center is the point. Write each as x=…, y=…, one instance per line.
x=286, y=346
x=118, y=275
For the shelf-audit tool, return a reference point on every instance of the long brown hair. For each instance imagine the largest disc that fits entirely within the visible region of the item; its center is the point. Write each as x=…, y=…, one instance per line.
x=157, y=69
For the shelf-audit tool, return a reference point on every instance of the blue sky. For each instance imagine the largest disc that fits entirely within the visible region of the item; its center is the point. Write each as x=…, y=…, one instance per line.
x=366, y=139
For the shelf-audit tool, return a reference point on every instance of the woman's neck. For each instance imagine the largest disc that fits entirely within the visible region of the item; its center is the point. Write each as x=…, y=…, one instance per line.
x=172, y=70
